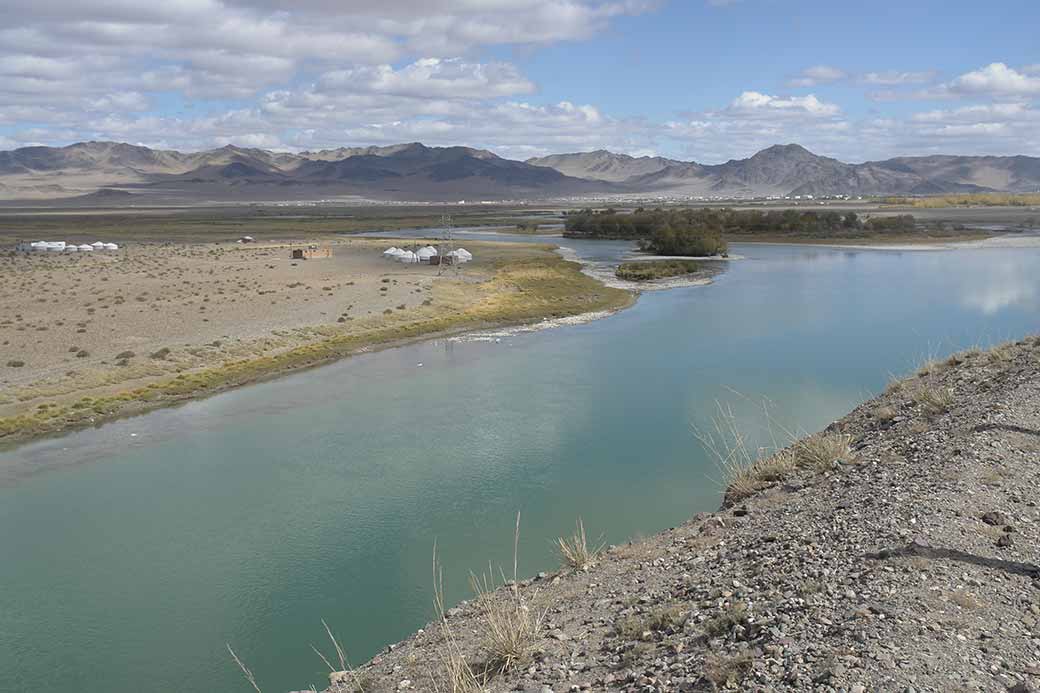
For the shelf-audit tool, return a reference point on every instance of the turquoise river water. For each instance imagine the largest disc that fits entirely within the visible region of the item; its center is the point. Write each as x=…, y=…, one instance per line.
x=131, y=553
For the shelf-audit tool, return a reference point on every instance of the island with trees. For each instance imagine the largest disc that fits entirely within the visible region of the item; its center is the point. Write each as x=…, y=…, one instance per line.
x=703, y=231
x=659, y=231
x=644, y=271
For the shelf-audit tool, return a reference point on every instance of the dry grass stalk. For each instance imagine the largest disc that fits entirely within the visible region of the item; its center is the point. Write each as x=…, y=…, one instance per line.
x=245, y=670
x=744, y=472
x=456, y=675
x=575, y=550
x=345, y=671
x=511, y=625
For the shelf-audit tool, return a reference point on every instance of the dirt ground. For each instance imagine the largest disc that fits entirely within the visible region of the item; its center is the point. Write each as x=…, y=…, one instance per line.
x=69, y=322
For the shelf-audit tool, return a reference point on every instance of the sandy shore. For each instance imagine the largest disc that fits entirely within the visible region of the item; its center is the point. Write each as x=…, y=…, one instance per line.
x=88, y=337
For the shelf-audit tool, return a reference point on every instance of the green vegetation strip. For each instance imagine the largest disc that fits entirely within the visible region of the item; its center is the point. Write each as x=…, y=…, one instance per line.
x=520, y=291
x=658, y=269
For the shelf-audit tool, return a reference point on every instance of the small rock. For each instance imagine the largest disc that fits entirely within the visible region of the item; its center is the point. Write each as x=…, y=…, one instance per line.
x=995, y=518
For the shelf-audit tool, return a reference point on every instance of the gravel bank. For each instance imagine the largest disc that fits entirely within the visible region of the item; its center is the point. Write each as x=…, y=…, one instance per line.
x=909, y=564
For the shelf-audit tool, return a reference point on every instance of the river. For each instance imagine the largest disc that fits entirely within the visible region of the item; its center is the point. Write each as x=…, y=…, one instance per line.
x=131, y=553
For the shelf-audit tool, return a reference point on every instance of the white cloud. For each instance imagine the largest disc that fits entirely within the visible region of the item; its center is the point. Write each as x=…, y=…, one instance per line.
x=892, y=78
x=1006, y=112
x=63, y=51
x=756, y=104
x=123, y=101
x=818, y=74
x=996, y=80
x=432, y=78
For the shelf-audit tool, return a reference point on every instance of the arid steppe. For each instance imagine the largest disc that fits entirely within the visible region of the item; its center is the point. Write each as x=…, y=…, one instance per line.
x=87, y=336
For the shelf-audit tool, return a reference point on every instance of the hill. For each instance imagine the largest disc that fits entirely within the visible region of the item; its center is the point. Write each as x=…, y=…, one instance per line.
x=404, y=172
x=793, y=170
x=414, y=171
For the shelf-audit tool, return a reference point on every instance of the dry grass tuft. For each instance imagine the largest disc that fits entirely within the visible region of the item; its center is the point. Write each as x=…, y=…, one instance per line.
x=965, y=600
x=456, y=674
x=575, y=550
x=822, y=450
x=1001, y=353
x=744, y=472
x=733, y=615
x=933, y=400
x=884, y=413
x=512, y=625
x=728, y=672
x=643, y=626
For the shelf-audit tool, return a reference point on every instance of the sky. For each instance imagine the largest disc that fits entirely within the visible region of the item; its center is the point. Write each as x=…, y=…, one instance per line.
x=703, y=80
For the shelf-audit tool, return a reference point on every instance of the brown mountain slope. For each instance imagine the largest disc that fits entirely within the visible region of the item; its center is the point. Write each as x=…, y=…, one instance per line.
x=414, y=171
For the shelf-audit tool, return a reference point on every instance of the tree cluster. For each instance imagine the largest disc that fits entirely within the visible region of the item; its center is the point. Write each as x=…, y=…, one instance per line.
x=700, y=231
x=665, y=232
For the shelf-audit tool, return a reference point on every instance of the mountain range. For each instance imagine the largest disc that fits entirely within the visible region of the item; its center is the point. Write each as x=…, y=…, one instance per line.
x=117, y=173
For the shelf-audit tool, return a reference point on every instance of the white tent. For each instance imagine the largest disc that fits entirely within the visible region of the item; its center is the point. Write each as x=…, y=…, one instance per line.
x=408, y=257
x=86, y=247
x=111, y=246
x=72, y=248
x=424, y=254
x=56, y=246
x=391, y=252
x=464, y=254
x=98, y=245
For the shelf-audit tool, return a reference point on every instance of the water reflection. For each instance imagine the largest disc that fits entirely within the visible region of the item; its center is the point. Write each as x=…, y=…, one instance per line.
x=1010, y=282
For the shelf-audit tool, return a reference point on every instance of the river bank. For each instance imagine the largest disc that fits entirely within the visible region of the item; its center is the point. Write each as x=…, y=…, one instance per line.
x=163, y=324
x=894, y=550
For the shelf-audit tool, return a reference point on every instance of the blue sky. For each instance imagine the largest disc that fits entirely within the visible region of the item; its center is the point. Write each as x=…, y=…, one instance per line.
x=694, y=79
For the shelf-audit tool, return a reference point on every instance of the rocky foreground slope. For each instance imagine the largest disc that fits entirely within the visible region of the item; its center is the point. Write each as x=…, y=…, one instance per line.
x=905, y=562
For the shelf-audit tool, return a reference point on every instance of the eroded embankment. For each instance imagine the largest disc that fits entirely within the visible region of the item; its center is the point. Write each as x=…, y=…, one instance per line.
x=894, y=551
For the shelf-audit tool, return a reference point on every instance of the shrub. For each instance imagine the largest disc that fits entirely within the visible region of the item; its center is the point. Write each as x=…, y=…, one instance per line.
x=15, y=363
